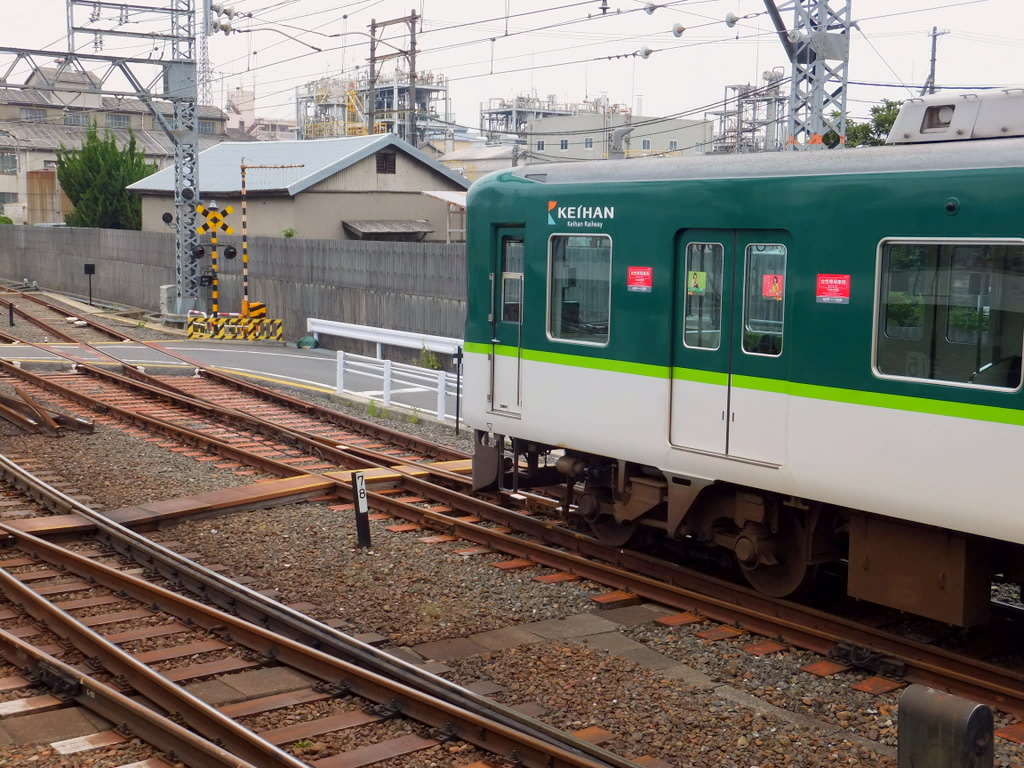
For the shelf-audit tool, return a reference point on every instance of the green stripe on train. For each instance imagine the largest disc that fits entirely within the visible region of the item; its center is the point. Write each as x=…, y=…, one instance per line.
x=809, y=391
x=575, y=361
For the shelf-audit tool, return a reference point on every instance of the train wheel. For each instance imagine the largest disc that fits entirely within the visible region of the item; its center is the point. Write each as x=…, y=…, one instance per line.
x=612, y=534
x=776, y=565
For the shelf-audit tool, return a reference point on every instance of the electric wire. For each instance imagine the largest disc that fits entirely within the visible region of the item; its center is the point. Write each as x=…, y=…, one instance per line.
x=287, y=3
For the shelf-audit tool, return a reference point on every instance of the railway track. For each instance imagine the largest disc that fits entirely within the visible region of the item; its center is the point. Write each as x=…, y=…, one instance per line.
x=150, y=639
x=435, y=498
x=38, y=320
x=292, y=441
x=452, y=512
x=546, y=542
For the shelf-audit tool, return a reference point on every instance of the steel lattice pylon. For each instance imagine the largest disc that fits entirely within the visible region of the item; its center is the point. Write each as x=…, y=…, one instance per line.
x=176, y=83
x=818, y=45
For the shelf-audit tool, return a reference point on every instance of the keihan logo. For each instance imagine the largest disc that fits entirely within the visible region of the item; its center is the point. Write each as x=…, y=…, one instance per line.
x=590, y=216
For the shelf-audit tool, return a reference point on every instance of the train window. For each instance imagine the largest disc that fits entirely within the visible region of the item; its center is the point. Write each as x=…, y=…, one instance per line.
x=952, y=312
x=970, y=288
x=579, y=284
x=702, y=307
x=910, y=275
x=511, y=280
x=764, y=298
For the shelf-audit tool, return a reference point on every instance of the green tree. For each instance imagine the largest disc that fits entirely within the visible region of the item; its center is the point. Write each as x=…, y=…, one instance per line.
x=871, y=133
x=94, y=179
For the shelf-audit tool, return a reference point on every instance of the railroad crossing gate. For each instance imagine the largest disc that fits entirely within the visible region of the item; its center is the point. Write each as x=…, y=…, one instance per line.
x=252, y=324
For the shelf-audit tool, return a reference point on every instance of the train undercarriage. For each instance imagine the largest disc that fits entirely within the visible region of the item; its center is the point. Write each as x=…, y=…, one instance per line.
x=777, y=542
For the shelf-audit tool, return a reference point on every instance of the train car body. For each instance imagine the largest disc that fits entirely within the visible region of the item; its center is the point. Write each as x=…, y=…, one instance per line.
x=797, y=356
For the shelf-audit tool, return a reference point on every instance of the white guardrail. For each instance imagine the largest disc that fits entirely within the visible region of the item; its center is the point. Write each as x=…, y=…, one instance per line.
x=422, y=389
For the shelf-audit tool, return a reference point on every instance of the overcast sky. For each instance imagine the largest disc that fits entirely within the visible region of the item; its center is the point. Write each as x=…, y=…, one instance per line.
x=503, y=48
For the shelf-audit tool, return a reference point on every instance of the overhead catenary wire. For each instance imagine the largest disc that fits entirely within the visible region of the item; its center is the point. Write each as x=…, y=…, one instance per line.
x=264, y=66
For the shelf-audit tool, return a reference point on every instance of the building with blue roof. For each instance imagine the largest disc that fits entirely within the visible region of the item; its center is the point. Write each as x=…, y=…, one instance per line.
x=355, y=187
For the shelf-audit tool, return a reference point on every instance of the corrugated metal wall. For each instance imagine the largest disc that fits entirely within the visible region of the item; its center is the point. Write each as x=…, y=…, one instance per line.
x=417, y=287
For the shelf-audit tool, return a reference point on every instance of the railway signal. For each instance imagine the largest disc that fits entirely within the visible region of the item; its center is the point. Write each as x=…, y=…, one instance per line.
x=215, y=220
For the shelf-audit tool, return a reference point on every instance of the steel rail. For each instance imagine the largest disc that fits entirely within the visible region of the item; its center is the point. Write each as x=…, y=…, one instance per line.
x=158, y=425
x=158, y=731
x=268, y=613
x=11, y=307
x=317, y=411
x=146, y=681
x=678, y=587
x=345, y=456
x=92, y=323
x=374, y=458
x=344, y=676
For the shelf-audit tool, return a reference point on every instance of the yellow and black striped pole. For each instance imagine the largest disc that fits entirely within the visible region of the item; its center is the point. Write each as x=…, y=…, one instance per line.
x=215, y=283
x=245, y=250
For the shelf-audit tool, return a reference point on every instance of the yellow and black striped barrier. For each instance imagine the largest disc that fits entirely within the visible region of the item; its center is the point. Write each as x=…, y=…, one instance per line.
x=257, y=309
x=234, y=328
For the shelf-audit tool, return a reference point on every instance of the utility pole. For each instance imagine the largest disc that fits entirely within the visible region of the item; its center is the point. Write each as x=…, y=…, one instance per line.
x=372, y=82
x=410, y=131
x=929, y=84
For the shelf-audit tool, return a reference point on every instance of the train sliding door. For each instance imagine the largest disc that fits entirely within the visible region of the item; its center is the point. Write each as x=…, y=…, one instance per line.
x=728, y=372
x=507, y=322
x=701, y=349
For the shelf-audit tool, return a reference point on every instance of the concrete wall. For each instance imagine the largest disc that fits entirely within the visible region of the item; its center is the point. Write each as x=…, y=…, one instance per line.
x=418, y=287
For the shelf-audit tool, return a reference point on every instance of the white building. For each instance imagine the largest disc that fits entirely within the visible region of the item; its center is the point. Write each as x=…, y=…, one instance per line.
x=589, y=136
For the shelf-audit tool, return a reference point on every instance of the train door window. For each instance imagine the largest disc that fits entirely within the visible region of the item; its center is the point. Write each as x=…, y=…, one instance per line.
x=764, y=295
x=511, y=280
x=952, y=312
x=579, y=285
x=702, y=303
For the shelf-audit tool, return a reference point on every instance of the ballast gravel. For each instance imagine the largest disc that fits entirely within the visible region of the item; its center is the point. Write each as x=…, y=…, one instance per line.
x=752, y=712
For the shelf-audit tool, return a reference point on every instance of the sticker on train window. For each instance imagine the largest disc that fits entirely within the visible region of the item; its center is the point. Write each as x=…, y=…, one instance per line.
x=832, y=289
x=640, y=279
x=697, y=285
x=771, y=286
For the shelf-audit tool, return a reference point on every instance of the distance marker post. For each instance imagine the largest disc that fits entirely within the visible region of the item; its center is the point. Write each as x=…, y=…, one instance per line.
x=362, y=510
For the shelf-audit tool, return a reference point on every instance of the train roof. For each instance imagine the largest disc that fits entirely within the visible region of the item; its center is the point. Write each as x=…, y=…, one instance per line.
x=948, y=156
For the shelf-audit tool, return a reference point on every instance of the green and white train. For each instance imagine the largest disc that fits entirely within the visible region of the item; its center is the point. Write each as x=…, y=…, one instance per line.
x=799, y=357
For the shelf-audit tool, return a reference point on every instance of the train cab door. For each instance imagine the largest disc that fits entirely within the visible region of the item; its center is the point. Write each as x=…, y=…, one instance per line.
x=507, y=322
x=728, y=373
